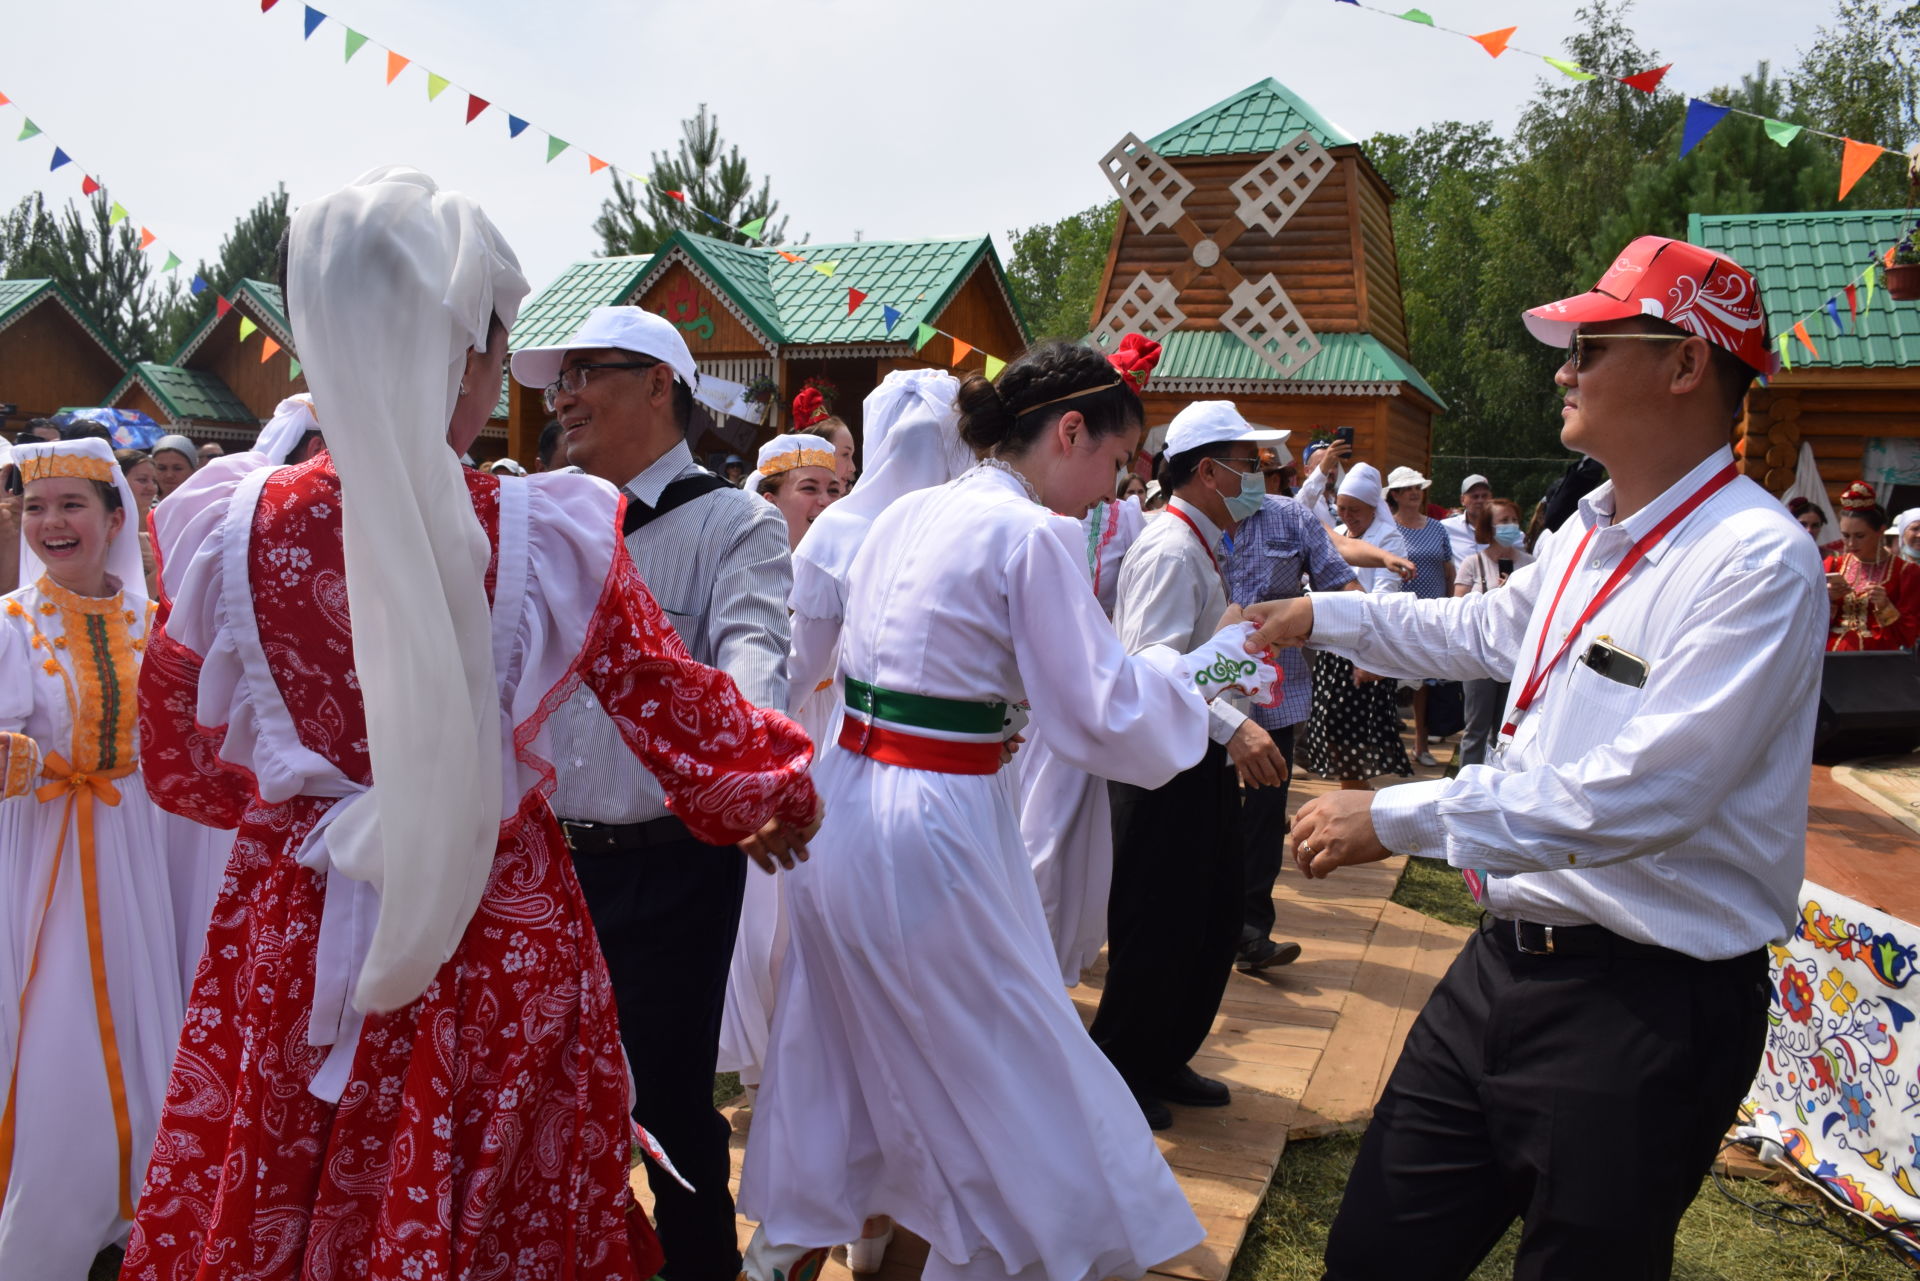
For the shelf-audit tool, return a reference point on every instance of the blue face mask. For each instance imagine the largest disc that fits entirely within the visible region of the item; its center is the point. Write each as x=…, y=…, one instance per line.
x=1508, y=535
x=1252, y=495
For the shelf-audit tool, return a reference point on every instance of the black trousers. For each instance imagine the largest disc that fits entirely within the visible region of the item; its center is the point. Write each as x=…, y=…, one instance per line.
x=1173, y=917
x=1585, y=1095
x=1263, y=833
x=666, y=915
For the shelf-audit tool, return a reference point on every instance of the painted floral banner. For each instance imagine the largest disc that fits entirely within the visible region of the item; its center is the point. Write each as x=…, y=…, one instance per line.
x=1841, y=1075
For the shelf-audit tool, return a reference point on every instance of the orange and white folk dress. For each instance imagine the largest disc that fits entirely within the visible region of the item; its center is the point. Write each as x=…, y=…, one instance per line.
x=104, y=899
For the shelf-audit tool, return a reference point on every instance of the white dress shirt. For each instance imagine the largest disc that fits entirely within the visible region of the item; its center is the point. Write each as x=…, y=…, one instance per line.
x=719, y=567
x=1674, y=813
x=1171, y=594
x=1461, y=534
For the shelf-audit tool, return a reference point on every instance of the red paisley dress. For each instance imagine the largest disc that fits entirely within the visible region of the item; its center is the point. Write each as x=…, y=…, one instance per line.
x=483, y=1131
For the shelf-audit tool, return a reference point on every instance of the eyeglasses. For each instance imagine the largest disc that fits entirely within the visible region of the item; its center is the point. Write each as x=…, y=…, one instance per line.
x=573, y=379
x=1582, y=344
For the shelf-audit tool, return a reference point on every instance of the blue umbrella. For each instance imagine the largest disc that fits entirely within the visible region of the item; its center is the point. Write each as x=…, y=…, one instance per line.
x=129, y=428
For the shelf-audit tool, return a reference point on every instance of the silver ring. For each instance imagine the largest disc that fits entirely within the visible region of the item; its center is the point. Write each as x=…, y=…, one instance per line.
x=1307, y=850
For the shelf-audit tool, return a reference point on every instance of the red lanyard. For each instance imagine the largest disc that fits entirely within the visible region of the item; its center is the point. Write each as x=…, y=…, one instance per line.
x=1175, y=511
x=1537, y=677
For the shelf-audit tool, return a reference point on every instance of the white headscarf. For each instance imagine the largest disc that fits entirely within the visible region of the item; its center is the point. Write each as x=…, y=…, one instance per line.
x=784, y=453
x=1362, y=482
x=123, y=554
x=1900, y=522
x=391, y=282
x=292, y=419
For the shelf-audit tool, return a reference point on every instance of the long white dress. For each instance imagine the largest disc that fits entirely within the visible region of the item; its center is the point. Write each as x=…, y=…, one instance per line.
x=1065, y=817
x=98, y=946
x=925, y=1061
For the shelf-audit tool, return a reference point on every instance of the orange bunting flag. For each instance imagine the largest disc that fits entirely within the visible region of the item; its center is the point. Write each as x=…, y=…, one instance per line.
x=1800, y=332
x=961, y=350
x=146, y=237
x=1855, y=159
x=267, y=347
x=796, y=257
x=854, y=299
x=4, y=100
x=395, y=65
x=1494, y=42
x=595, y=164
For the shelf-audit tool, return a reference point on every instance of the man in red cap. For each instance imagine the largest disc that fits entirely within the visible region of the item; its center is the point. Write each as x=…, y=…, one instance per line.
x=1637, y=835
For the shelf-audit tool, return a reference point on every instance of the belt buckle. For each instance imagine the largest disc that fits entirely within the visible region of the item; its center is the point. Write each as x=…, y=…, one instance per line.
x=1520, y=940
x=568, y=828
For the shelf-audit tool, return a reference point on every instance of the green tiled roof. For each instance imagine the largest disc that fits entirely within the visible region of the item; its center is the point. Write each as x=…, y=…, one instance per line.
x=1343, y=358
x=552, y=315
x=16, y=296
x=1255, y=121
x=188, y=394
x=1803, y=259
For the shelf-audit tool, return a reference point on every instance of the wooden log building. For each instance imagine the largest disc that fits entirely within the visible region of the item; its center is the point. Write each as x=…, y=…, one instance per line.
x=53, y=355
x=1255, y=245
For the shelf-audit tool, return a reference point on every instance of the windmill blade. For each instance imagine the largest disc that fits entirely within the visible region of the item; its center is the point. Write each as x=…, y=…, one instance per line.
x=1272, y=191
x=1152, y=191
x=1147, y=307
x=1262, y=316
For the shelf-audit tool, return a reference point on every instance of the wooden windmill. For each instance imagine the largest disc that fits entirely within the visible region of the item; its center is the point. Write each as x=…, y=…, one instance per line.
x=1256, y=246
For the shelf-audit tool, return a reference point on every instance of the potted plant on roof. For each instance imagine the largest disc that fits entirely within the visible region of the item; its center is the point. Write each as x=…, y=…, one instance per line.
x=1903, y=273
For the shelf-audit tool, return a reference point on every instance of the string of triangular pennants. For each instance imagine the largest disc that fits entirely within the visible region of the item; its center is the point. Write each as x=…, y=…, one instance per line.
x=313, y=19
x=268, y=346
x=1856, y=157
x=117, y=213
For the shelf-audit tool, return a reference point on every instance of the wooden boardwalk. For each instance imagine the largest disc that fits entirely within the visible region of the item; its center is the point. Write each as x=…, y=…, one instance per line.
x=1305, y=1048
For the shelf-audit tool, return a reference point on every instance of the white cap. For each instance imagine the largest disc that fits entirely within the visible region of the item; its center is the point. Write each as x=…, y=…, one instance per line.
x=1406, y=478
x=1471, y=481
x=626, y=328
x=1209, y=422
x=784, y=453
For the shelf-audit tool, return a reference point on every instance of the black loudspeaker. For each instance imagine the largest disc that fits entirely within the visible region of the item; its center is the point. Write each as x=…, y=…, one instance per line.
x=1869, y=703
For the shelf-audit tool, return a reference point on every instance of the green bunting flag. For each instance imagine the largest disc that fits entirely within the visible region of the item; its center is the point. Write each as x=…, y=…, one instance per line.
x=754, y=228
x=117, y=215
x=435, y=84
x=293, y=369
x=1420, y=16
x=1786, y=359
x=554, y=148
x=1572, y=70
x=354, y=41
x=1871, y=272
x=27, y=131
x=246, y=328
x=173, y=260
x=923, y=335
x=994, y=366
x=1782, y=132
x=827, y=268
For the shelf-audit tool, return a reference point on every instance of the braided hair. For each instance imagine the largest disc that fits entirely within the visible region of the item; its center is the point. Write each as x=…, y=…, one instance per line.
x=1008, y=416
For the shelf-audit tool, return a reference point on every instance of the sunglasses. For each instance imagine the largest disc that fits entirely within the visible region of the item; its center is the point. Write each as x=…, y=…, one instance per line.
x=1582, y=344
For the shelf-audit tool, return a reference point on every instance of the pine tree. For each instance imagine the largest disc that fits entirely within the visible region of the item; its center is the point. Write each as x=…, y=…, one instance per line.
x=638, y=220
x=251, y=251
x=101, y=267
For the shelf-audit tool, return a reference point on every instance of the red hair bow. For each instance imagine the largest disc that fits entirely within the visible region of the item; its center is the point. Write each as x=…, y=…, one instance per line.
x=809, y=407
x=1135, y=360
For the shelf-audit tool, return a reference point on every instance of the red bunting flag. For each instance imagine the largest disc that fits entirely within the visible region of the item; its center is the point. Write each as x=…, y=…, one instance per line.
x=221, y=307
x=88, y=186
x=1494, y=42
x=681, y=196
x=1646, y=81
x=961, y=350
x=1800, y=332
x=395, y=65
x=267, y=4
x=854, y=299
x=1853, y=304
x=1855, y=159
x=475, y=105
x=146, y=237
x=595, y=164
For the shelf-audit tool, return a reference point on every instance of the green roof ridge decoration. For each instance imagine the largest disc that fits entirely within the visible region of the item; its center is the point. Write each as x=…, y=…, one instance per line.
x=17, y=297
x=1800, y=260
x=1259, y=119
x=186, y=394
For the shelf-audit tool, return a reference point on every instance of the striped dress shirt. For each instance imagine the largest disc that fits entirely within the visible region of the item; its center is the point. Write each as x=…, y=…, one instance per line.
x=1273, y=552
x=1673, y=813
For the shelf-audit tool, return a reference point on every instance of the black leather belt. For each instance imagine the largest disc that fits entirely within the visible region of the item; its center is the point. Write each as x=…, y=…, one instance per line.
x=610, y=838
x=1530, y=938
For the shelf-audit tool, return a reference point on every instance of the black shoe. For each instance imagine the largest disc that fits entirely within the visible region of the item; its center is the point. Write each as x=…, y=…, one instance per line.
x=1158, y=1117
x=1265, y=954
x=1189, y=1089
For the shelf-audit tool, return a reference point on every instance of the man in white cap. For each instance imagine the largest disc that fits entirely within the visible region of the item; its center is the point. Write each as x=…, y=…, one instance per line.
x=666, y=907
x=1638, y=834
x=1475, y=493
x=1173, y=914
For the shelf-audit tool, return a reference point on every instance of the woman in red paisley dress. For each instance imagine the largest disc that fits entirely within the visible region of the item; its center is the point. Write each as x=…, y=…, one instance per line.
x=401, y=1060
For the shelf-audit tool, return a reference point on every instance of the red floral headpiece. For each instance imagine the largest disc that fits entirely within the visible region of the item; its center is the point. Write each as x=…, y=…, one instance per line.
x=1135, y=360
x=1858, y=496
x=809, y=407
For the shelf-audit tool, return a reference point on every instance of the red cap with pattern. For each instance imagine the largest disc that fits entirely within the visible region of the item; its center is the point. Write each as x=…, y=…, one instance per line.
x=1702, y=292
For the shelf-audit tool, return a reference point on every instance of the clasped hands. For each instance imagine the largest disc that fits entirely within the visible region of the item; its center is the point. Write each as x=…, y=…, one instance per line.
x=780, y=845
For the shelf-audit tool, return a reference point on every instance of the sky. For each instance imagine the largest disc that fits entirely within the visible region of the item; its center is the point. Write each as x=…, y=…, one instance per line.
x=885, y=121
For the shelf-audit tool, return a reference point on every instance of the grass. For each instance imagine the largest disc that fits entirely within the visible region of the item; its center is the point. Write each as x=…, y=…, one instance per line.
x=1718, y=1241
x=1434, y=887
